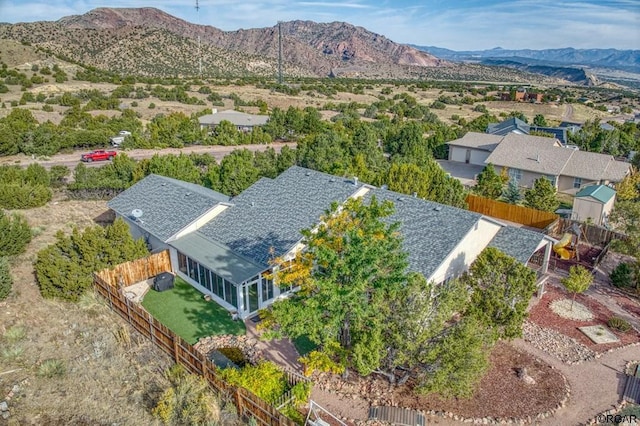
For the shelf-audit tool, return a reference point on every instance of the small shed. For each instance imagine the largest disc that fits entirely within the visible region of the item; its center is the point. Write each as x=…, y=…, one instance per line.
x=594, y=204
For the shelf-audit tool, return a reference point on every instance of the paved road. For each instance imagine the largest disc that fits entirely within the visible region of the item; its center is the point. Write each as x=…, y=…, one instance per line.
x=72, y=160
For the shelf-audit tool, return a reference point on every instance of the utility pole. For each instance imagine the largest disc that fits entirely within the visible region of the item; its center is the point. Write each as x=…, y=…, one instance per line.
x=199, y=55
x=279, y=52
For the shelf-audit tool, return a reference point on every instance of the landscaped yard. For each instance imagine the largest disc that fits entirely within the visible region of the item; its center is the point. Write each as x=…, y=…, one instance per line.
x=185, y=311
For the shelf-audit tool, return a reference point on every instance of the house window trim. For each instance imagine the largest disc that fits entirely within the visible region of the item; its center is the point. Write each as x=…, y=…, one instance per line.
x=577, y=183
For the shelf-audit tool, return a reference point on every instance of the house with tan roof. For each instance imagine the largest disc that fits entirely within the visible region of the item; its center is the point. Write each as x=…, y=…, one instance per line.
x=528, y=158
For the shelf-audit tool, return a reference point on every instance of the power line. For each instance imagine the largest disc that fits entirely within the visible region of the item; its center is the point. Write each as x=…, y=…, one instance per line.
x=280, y=52
x=199, y=53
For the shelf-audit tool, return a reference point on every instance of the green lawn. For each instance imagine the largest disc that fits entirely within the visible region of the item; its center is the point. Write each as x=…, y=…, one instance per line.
x=184, y=310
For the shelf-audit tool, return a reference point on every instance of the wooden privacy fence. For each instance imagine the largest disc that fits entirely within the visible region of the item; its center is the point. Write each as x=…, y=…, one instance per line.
x=106, y=284
x=511, y=212
x=126, y=274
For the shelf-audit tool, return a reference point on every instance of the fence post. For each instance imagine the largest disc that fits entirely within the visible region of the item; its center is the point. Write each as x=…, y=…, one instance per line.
x=175, y=347
x=238, y=401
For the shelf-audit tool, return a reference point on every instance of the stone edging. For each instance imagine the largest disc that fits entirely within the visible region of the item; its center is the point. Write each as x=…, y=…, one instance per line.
x=507, y=420
x=608, y=351
x=248, y=346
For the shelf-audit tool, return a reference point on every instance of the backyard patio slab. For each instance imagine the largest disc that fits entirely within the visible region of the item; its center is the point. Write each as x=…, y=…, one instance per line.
x=599, y=334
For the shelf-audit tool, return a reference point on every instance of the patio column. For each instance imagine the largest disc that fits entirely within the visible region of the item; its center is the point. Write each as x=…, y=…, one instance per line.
x=547, y=256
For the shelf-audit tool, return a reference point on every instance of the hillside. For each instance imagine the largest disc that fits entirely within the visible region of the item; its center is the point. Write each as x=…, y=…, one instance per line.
x=147, y=41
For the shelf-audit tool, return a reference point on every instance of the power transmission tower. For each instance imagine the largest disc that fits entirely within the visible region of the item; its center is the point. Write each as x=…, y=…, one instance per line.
x=199, y=55
x=279, y=52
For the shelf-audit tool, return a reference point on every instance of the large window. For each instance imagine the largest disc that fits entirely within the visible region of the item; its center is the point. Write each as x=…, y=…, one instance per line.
x=182, y=263
x=267, y=289
x=208, y=279
x=577, y=183
x=515, y=174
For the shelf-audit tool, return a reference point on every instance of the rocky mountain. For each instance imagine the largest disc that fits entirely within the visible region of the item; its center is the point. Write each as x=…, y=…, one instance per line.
x=152, y=42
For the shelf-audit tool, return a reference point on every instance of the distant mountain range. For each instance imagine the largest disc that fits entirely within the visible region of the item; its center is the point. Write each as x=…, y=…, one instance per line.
x=623, y=60
x=147, y=41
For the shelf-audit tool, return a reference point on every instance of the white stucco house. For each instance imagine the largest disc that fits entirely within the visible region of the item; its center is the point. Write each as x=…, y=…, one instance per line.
x=223, y=246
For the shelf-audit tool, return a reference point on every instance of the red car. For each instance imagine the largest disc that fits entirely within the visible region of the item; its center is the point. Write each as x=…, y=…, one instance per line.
x=98, y=155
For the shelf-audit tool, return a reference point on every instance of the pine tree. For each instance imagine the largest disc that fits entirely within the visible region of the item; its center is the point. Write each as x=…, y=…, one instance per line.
x=512, y=193
x=542, y=196
x=489, y=183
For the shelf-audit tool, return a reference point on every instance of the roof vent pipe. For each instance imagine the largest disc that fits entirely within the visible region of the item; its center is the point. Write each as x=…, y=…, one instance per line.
x=537, y=157
x=355, y=180
x=415, y=195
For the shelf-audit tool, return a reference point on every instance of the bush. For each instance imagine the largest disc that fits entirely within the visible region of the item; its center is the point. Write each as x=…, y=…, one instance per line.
x=619, y=324
x=188, y=400
x=266, y=380
x=235, y=355
x=319, y=361
x=52, y=368
x=64, y=269
x=15, y=234
x=6, y=281
x=624, y=276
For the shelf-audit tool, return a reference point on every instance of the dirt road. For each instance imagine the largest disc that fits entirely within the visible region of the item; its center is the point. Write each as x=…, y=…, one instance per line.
x=71, y=160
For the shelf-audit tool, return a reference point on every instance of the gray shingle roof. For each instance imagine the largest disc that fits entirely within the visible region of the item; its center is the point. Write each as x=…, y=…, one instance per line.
x=507, y=126
x=546, y=156
x=588, y=165
x=235, y=117
x=533, y=153
x=270, y=214
x=168, y=205
x=481, y=141
x=429, y=234
x=518, y=243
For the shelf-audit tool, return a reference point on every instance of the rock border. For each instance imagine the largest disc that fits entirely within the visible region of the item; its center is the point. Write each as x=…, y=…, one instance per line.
x=248, y=346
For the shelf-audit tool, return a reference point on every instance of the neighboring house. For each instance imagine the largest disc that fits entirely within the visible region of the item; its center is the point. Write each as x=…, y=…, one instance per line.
x=530, y=157
x=515, y=125
x=521, y=95
x=243, y=122
x=224, y=248
x=473, y=148
x=594, y=204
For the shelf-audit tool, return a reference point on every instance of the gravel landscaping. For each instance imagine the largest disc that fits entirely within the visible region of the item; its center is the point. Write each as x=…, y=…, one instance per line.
x=569, y=309
x=564, y=348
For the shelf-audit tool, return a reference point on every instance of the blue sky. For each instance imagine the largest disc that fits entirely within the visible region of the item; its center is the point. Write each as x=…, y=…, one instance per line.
x=453, y=24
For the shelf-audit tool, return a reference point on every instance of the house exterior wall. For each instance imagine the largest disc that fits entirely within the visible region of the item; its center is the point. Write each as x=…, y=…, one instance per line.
x=587, y=209
x=467, y=250
x=565, y=184
x=201, y=221
x=459, y=154
x=153, y=243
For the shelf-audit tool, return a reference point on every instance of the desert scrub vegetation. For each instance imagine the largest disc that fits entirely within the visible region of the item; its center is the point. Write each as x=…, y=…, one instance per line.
x=6, y=280
x=11, y=342
x=64, y=269
x=15, y=234
x=51, y=368
x=187, y=400
x=24, y=188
